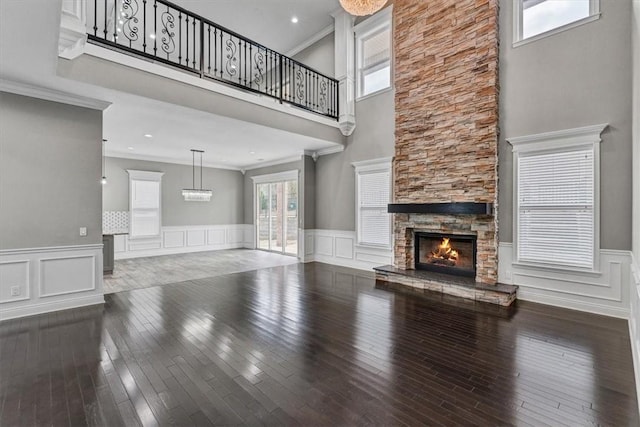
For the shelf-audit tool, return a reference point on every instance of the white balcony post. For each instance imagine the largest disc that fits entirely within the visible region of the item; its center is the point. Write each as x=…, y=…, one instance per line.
x=345, y=70
x=73, y=29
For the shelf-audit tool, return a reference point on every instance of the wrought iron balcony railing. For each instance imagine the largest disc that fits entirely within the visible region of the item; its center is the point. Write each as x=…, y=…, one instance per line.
x=167, y=33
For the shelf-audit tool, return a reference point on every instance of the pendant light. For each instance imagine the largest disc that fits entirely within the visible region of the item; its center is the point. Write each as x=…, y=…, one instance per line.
x=103, y=180
x=193, y=194
x=362, y=7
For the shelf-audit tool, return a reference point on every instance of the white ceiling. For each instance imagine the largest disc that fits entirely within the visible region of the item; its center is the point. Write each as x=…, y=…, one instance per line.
x=268, y=22
x=228, y=143
x=31, y=57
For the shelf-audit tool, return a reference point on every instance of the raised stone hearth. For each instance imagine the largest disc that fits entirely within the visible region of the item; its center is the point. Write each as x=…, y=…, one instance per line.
x=463, y=287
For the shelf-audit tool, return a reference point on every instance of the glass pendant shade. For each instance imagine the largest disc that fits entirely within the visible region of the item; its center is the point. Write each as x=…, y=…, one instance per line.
x=196, y=194
x=193, y=195
x=362, y=7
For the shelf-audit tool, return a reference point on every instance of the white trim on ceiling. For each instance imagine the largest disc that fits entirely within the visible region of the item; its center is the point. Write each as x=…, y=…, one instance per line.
x=157, y=159
x=330, y=150
x=311, y=40
x=47, y=94
x=275, y=162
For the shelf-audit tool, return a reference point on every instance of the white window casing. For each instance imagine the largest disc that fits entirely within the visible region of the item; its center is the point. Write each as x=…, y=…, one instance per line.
x=374, y=45
x=373, y=195
x=536, y=19
x=557, y=198
x=145, y=204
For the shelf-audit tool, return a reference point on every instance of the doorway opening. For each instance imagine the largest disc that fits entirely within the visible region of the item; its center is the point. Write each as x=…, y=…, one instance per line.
x=277, y=216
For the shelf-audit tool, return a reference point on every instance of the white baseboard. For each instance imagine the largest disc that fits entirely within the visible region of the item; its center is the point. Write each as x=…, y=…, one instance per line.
x=338, y=247
x=49, y=279
x=186, y=239
x=604, y=292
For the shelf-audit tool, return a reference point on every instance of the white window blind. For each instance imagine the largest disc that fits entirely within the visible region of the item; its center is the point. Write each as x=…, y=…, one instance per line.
x=144, y=203
x=373, y=181
x=373, y=44
x=556, y=207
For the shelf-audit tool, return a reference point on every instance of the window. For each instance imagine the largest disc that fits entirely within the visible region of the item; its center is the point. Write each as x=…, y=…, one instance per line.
x=373, y=195
x=535, y=19
x=144, y=203
x=557, y=194
x=373, y=50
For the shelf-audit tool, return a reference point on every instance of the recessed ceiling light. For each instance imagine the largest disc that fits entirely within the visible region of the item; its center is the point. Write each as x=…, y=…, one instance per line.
x=130, y=148
x=294, y=19
x=152, y=36
x=252, y=152
x=148, y=135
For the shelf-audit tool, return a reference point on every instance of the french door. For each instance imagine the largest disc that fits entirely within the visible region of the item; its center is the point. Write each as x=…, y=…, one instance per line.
x=277, y=216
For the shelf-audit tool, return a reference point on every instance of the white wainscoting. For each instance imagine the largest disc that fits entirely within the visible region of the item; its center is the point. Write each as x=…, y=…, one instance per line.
x=634, y=318
x=339, y=247
x=49, y=279
x=603, y=292
x=185, y=239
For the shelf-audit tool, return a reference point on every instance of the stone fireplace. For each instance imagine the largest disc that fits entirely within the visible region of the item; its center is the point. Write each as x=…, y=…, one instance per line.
x=445, y=163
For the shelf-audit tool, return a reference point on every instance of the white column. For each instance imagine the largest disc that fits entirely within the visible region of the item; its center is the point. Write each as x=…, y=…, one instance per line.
x=73, y=29
x=345, y=70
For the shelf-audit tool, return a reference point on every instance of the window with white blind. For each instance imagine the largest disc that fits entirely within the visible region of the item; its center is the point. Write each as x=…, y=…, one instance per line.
x=556, y=204
x=373, y=195
x=535, y=19
x=144, y=204
x=373, y=53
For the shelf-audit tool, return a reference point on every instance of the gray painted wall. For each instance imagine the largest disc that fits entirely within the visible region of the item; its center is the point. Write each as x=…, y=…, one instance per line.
x=226, y=206
x=636, y=129
x=320, y=56
x=575, y=78
x=335, y=177
x=309, y=193
x=50, y=156
x=248, y=185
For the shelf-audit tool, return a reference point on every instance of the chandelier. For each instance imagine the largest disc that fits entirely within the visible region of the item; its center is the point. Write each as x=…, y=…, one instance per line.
x=362, y=7
x=194, y=194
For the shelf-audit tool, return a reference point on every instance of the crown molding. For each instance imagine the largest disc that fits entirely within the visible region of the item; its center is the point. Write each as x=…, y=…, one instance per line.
x=274, y=162
x=311, y=40
x=157, y=159
x=47, y=94
x=331, y=150
x=580, y=135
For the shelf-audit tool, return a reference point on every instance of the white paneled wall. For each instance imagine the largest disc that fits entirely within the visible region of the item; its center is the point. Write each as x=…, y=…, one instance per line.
x=339, y=247
x=605, y=291
x=634, y=318
x=184, y=239
x=34, y=281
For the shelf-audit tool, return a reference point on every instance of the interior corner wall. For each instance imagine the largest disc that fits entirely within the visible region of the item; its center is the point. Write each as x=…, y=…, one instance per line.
x=248, y=184
x=373, y=138
x=309, y=193
x=226, y=206
x=636, y=129
x=571, y=79
x=320, y=56
x=50, y=158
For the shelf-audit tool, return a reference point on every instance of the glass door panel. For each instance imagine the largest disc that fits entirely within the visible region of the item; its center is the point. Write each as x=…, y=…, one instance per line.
x=277, y=217
x=291, y=221
x=262, y=210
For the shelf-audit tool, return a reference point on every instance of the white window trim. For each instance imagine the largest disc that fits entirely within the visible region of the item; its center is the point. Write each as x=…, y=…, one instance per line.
x=558, y=141
x=145, y=176
x=370, y=26
x=594, y=15
x=383, y=164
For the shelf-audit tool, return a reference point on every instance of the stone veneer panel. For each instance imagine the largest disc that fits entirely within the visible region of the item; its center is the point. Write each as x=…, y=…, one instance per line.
x=446, y=80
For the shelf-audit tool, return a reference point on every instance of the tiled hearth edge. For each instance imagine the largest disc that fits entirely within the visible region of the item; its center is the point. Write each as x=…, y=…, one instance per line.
x=499, y=294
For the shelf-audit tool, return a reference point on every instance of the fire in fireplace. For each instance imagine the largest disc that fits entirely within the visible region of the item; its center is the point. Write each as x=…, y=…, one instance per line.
x=446, y=253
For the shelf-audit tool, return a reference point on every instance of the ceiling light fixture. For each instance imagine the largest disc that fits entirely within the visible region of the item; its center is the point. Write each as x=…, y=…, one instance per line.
x=294, y=19
x=129, y=148
x=103, y=180
x=194, y=194
x=148, y=135
x=362, y=7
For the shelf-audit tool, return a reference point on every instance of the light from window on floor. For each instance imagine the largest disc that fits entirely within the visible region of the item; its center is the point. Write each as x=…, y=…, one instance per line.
x=542, y=16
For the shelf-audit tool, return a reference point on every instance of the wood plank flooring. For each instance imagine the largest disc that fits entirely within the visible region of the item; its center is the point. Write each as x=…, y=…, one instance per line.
x=312, y=344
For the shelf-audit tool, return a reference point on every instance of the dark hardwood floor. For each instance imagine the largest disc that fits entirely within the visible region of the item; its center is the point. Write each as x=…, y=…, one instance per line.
x=313, y=345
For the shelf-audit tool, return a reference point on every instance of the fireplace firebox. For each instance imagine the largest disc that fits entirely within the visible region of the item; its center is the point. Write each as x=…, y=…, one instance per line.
x=446, y=253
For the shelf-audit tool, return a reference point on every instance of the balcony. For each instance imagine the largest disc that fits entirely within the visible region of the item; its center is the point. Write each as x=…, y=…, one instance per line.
x=165, y=33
